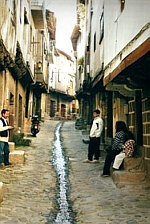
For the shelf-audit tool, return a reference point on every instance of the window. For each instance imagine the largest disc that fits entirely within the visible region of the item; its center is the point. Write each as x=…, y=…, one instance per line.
x=122, y=5
x=94, y=42
x=71, y=84
x=26, y=21
x=30, y=38
x=101, y=28
x=59, y=78
x=88, y=44
x=11, y=101
x=13, y=14
x=20, y=11
x=27, y=102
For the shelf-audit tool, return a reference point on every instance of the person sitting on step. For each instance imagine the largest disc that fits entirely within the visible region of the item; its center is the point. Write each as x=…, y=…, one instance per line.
x=116, y=148
x=128, y=150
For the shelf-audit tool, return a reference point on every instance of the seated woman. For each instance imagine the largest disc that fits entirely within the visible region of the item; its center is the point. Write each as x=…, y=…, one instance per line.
x=117, y=146
x=128, y=149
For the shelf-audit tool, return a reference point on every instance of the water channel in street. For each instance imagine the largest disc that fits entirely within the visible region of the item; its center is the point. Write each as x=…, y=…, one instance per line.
x=65, y=214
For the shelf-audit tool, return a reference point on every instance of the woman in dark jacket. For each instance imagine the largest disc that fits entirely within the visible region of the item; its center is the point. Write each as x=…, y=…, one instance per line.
x=116, y=148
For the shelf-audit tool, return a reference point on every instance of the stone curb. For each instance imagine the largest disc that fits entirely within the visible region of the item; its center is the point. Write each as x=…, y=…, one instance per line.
x=1, y=191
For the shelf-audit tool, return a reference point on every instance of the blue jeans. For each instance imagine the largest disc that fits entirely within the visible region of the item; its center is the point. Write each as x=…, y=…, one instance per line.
x=4, y=149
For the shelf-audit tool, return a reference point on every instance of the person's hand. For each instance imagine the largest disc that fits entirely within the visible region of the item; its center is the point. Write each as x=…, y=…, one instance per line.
x=10, y=127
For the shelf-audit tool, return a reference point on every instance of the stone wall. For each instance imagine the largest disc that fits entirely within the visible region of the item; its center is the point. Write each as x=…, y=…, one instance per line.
x=146, y=132
x=146, y=127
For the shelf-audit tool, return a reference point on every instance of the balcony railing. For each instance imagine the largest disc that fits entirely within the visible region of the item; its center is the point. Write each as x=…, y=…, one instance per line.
x=37, y=2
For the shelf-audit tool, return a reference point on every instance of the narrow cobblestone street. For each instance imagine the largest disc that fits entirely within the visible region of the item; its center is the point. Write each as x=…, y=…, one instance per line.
x=30, y=189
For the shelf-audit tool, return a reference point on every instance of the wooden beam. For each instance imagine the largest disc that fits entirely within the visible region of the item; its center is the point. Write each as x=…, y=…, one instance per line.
x=121, y=88
x=130, y=59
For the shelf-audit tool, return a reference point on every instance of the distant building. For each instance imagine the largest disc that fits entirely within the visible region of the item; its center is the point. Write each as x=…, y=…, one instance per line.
x=62, y=86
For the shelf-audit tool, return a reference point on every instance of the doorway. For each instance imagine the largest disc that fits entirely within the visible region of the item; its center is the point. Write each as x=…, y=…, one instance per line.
x=52, y=108
x=63, y=110
x=20, y=112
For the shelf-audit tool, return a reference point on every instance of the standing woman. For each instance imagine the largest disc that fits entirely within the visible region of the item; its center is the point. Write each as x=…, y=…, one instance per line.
x=117, y=146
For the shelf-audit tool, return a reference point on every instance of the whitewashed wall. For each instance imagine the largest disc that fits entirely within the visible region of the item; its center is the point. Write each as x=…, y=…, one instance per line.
x=96, y=57
x=122, y=27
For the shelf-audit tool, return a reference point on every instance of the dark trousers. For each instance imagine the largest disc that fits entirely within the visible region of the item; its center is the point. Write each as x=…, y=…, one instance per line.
x=4, y=149
x=109, y=159
x=93, y=149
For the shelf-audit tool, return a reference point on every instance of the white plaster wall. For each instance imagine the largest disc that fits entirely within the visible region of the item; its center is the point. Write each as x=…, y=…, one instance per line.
x=80, y=54
x=122, y=27
x=64, y=68
x=96, y=58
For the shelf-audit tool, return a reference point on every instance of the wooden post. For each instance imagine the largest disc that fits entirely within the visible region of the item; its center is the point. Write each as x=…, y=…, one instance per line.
x=138, y=118
x=109, y=114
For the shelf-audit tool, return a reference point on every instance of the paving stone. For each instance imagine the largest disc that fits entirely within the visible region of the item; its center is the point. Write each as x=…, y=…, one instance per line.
x=30, y=188
x=17, y=157
x=98, y=199
x=25, y=200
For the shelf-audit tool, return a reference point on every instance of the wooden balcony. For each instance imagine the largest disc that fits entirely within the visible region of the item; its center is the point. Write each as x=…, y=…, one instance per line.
x=38, y=13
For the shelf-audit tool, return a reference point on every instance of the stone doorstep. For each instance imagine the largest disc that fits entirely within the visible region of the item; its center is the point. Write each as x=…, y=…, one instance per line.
x=1, y=191
x=17, y=157
x=11, y=146
x=128, y=177
x=134, y=164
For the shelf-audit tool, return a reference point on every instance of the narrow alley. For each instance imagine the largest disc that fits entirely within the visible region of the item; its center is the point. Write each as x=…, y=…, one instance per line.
x=31, y=189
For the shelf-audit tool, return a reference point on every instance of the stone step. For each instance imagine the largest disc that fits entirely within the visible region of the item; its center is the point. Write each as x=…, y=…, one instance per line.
x=128, y=177
x=17, y=157
x=1, y=191
x=134, y=164
x=11, y=146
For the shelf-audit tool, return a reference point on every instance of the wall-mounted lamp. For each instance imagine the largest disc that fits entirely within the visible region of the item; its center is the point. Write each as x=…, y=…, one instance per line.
x=39, y=65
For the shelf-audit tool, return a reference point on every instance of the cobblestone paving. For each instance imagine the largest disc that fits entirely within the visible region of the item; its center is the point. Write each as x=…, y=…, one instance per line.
x=96, y=199
x=29, y=189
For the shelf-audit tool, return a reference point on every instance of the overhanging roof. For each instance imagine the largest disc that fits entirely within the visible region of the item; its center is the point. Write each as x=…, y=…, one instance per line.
x=136, y=55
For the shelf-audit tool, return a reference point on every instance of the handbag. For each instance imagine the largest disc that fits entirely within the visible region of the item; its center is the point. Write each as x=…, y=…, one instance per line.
x=128, y=147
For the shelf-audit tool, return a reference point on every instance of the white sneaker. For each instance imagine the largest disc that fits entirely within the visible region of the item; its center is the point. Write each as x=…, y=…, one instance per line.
x=87, y=161
x=95, y=161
